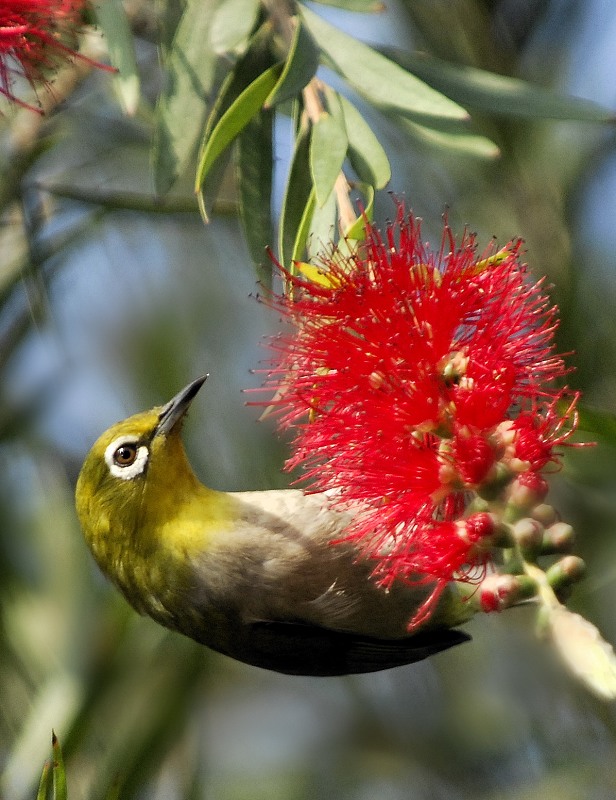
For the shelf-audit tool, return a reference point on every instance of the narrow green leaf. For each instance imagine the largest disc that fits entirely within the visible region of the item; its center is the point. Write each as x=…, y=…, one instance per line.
x=499, y=94
x=460, y=141
x=58, y=771
x=323, y=228
x=191, y=69
x=221, y=189
x=234, y=120
x=296, y=198
x=377, y=78
x=303, y=229
x=300, y=66
x=113, y=21
x=232, y=24
x=45, y=783
x=255, y=61
x=255, y=167
x=202, y=207
x=328, y=147
x=364, y=6
x=368, y=158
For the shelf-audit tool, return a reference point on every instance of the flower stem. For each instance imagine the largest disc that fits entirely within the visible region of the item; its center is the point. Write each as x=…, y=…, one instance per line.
x=545, y=592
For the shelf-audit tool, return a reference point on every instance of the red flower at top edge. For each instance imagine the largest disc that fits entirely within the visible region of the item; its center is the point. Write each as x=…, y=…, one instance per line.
x=36, y=36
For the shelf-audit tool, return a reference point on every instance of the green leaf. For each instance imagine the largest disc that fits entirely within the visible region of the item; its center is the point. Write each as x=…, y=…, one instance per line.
x=113, y=21
x=296, y=199
x=232, y=24
x=499, y=94
x=221, y=190
x=45, y=782
x=300, y=66
x=587, y=655
x=192, y=72
x=376, y=78
x=323, y=226
x=58, y=772
x=255, y=187
x=328, y=147
x=460, y=141
x=368, y=158
x=598, y=423
x=303, y=229
x=234, y=120
x=255, y=61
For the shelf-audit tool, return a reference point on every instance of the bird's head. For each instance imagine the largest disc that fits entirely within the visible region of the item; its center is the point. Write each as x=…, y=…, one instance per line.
x=137, y=467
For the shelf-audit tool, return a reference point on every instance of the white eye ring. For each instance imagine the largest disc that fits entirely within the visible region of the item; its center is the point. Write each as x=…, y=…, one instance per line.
x=128, y=471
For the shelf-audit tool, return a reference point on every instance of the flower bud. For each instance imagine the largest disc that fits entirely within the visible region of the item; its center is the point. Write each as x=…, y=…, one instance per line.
x=477, y=527
x=528, y=533
x=478, y=504
x=545, y=514
x=500, y=477
x=498, y=592
x=527, y=491
x=566, y=572
x=484, y=530
x=558, y=538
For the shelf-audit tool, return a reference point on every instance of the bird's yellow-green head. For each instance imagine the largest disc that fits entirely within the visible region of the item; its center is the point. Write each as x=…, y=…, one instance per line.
x=134, y=480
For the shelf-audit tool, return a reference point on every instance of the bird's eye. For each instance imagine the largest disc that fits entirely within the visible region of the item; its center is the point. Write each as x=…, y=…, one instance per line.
x=125, y=455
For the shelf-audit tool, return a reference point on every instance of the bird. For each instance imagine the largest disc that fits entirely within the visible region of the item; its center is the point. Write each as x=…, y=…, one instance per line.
x=264, y=577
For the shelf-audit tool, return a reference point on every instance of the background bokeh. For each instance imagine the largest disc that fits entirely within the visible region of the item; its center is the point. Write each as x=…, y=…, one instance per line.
x=110, y=303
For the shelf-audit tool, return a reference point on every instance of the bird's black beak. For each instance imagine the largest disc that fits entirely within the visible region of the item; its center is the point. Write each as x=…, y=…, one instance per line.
x=175, y=409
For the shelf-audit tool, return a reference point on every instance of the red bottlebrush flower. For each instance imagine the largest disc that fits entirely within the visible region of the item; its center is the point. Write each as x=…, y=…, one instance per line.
x=36, y=36
x=412, y=379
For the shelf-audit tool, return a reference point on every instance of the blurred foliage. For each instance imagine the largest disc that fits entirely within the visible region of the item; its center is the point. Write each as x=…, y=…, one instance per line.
x=236, y=66
x=113, y=294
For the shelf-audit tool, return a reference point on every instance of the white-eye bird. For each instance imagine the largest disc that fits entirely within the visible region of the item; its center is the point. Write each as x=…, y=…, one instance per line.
x=253, y=575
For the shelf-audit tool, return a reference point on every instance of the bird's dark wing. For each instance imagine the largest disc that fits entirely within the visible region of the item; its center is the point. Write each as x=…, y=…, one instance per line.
x=300, y=649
